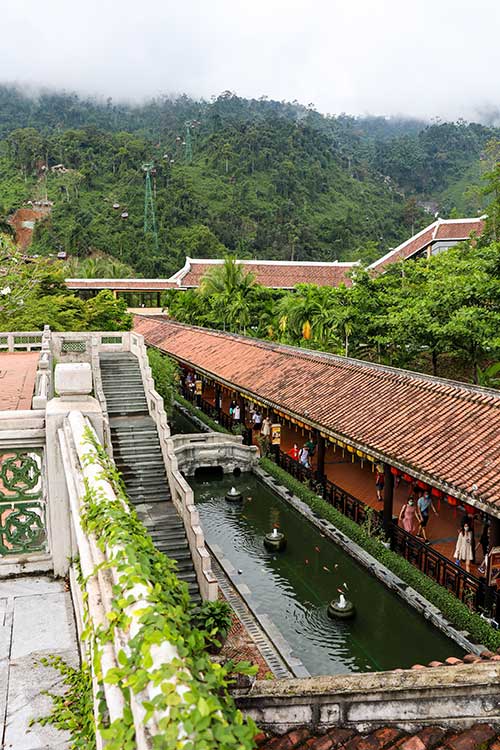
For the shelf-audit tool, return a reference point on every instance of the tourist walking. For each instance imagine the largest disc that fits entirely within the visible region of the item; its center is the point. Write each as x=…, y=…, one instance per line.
x=379, y=482
x=266, y=428
x=294, y=452
x=256, y=420
x=408, y=516
x=236, y=414
x=484, y=539
x=484, y=543
x=311, y=447
x=304, y=457
x=424, y=507
x=463, y=549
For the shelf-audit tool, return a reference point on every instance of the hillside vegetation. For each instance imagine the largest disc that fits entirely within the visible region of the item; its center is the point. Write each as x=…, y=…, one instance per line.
x=266, y=179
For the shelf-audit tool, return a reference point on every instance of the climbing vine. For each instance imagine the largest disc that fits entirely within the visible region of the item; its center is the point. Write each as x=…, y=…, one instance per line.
x=73, y=711
x=194, y=691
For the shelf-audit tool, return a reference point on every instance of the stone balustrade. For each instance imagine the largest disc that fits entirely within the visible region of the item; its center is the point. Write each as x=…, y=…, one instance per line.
x=213, y=450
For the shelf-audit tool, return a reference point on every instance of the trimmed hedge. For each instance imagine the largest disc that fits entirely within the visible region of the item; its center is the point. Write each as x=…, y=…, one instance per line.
x=456, y=612
x=199, y=414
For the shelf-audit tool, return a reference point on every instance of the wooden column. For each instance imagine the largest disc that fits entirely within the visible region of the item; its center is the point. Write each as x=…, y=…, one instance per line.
x=320, y=466
x=494, y=531
x=388, y=496
x=158, y=299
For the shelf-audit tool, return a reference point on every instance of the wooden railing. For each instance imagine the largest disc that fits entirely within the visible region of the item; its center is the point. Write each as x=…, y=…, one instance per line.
x=469, y=589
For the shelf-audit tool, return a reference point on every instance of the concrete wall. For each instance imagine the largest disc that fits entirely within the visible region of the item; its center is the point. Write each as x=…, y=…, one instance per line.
x=456, y=696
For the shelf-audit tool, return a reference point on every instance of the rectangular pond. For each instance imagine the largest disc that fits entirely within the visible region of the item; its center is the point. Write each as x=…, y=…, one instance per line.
x=294, y=587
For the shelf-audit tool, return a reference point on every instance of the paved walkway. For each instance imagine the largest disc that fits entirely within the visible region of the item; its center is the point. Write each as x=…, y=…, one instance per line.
x=36, y=620
x=17, y=379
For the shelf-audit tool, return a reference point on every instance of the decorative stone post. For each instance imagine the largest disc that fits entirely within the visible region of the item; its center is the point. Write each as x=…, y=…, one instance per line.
x=73, y=384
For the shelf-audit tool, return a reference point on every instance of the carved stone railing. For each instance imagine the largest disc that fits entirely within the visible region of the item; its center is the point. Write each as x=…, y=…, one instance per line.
x=181, y=492
x=102, y=578
x=24, y=538
x=21, y=341
x=211, y=450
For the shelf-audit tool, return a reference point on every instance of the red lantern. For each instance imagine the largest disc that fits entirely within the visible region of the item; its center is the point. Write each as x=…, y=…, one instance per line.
x=395, y=471
x=407, y=478
x=470, y=510
x=436, y=493
x=452, y=501
x=422, y=485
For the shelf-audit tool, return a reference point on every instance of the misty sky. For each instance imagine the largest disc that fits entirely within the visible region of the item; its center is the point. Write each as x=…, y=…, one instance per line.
x=424, y=58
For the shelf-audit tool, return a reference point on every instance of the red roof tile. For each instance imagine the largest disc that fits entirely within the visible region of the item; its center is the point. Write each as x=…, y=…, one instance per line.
x=476, y=737
x=449, y=229
x=274, y=274
x=445, y=431
x=459, y=230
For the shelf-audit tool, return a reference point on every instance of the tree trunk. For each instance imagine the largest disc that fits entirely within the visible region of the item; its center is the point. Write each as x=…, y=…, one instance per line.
x=434, y=362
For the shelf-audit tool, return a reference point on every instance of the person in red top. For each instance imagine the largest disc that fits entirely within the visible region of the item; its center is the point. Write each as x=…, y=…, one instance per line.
x=294, y=452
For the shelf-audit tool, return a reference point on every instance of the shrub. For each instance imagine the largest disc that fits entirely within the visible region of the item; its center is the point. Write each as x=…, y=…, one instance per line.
x=457, y=613
x=215, y=620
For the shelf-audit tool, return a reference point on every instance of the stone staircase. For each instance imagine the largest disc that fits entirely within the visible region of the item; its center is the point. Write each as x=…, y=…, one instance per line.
x=138, y=457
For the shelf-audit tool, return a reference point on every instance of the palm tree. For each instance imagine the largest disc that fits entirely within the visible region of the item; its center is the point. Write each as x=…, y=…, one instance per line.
x=229, y=278
x=229, y=287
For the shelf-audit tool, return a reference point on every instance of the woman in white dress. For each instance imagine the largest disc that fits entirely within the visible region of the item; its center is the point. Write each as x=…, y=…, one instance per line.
x=463, y=549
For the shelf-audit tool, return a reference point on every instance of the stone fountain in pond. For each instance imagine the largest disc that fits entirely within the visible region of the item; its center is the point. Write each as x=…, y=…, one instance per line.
x=233, y=495
x=275, y=541
x=341, y=608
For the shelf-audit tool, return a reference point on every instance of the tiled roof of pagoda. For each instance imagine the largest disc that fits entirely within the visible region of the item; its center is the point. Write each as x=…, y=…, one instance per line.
x=270, y=273
x=445, y=432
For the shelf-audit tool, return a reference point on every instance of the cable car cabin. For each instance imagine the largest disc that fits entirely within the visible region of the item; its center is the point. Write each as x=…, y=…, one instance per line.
x=62, y=255
x=124, y=215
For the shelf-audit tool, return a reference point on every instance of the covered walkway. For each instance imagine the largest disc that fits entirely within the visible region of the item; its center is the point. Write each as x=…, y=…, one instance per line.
x=424, y=433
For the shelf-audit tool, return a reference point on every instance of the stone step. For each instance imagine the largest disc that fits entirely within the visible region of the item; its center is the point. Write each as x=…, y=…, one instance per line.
x=124, y=410
x=140, y=438
x=145, y=469
x=171, y=535
x=148, y=498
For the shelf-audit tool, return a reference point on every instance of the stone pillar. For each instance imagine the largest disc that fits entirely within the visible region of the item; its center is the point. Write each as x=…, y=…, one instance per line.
x=388, y=496
x=320, y=465
x=73, y=383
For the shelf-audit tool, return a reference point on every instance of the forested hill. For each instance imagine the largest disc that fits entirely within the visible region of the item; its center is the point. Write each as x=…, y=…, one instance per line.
x=265, y=179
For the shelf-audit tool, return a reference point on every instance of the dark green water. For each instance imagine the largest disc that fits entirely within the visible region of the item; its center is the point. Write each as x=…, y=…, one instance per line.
x=295, y=587
x=180, y=424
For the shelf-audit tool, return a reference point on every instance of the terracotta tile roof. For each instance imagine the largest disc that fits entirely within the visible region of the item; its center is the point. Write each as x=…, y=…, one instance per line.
x=449, y=229
x=458, y=230
x=445, y=432
x=274, y=274
x=17, y=379
x=476, y=737
x=121, y=285
x=453, y=661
